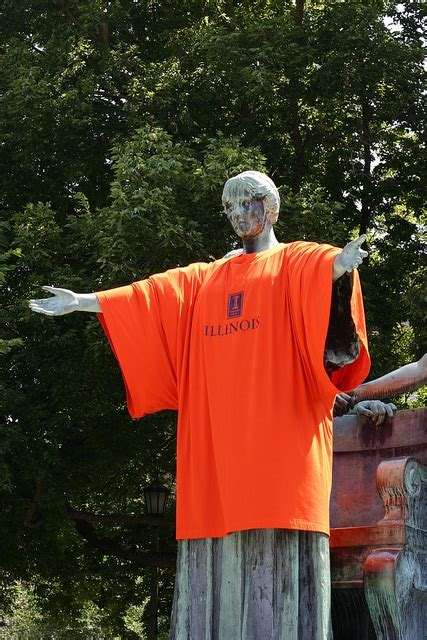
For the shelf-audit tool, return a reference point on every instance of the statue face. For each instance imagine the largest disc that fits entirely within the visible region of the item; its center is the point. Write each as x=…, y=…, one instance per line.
x=245, y=213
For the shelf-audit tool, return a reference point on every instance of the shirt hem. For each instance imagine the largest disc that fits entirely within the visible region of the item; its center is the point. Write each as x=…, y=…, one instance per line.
x=302, y=525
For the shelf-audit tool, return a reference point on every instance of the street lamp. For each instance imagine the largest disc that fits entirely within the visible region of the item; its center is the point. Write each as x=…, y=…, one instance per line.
x=155, y=500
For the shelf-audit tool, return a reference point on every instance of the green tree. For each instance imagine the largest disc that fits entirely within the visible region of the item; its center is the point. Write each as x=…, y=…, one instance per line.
x=120, y=122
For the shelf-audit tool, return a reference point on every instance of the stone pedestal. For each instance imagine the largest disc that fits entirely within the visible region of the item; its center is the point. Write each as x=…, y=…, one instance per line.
x=379, y=520
x=260, y=584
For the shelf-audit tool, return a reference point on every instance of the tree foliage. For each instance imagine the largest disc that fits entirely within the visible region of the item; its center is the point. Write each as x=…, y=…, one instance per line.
x=120, y=123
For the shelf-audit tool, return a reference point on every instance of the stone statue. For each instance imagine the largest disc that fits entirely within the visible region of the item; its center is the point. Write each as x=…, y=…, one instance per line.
x=407, y=378
x=364, y=400
x=238, y=347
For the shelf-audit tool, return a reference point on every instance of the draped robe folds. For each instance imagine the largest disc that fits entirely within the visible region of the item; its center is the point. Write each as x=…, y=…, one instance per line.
x=245, y=349
x=261, y=584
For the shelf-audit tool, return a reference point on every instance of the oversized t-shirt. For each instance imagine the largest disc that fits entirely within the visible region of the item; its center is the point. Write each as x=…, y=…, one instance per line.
x=236, y=346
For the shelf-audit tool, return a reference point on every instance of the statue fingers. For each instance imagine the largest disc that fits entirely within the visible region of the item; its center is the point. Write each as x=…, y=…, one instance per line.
x=358, y=241
x=51, y=289
x=39, y=309
x=49, y=313
x=354, y=247
x=360, y=254
x=390, y=409
x=49, y=306
x=341, y=406
x=343, y=400
x=379, y=419
x=35, y=305
x=56, y=291
x=358, y=259
x=364, y=411
x=380, y=411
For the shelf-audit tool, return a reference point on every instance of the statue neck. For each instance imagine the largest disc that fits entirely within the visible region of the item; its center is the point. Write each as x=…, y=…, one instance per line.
x=264, y=240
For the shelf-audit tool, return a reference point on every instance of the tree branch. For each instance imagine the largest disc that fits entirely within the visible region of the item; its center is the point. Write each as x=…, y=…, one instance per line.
x=299, y=149
x=111, y=548
x=299, y=13
x=105, y=34
x=33, y=516
x=103, y=37
x=66, y=10
x=365, y=214
x=87, y=516
x=35, y=48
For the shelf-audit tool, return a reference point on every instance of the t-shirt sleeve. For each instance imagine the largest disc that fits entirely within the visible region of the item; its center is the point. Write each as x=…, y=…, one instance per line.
x=310, y=268
x=146, y=324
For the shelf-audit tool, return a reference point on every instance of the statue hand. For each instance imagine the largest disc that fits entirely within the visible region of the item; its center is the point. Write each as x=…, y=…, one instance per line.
x=64, y=301
x=352, y=255
x=375, y=410
x=342, y=405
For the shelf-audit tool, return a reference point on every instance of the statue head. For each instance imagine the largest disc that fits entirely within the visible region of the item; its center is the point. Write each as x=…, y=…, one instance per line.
x=251, y=197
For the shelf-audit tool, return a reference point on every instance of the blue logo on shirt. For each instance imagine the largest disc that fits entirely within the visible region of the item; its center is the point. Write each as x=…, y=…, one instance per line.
x=235, y=305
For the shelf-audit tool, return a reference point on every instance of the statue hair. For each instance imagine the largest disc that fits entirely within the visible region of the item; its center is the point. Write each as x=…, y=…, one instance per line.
x=259, y=185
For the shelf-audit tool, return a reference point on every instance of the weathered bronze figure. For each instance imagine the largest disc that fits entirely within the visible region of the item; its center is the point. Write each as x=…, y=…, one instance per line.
x=269, y=579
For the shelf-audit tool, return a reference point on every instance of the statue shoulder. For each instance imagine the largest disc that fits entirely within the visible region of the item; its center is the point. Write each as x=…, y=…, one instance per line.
x=306, y=246
x=299, y=247
x=232, y=254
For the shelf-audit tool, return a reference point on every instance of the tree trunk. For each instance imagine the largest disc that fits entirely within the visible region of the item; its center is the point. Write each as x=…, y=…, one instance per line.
x=365, y=214
x=299, y=13
x=296, y=137
x=154, y=598
x=112, y=548
x=299, y=167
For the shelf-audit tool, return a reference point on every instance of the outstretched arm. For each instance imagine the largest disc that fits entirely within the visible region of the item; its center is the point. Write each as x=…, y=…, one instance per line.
x=363, y=399
x=65, y=301
x=403, y=380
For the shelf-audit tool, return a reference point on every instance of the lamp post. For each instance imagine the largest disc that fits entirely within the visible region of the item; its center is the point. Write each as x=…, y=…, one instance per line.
x=155, y=500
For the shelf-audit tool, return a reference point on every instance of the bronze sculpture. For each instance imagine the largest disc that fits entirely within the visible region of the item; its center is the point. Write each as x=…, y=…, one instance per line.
x=252, y=203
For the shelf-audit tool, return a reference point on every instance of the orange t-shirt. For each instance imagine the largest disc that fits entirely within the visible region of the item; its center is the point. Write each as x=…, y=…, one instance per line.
x=237, y=346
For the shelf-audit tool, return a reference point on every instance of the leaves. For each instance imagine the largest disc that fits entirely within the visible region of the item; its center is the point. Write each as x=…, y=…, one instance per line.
x=120, y=123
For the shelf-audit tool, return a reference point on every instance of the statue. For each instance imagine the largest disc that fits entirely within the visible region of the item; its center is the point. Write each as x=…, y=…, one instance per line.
x=364, y=399
x=252, y=350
